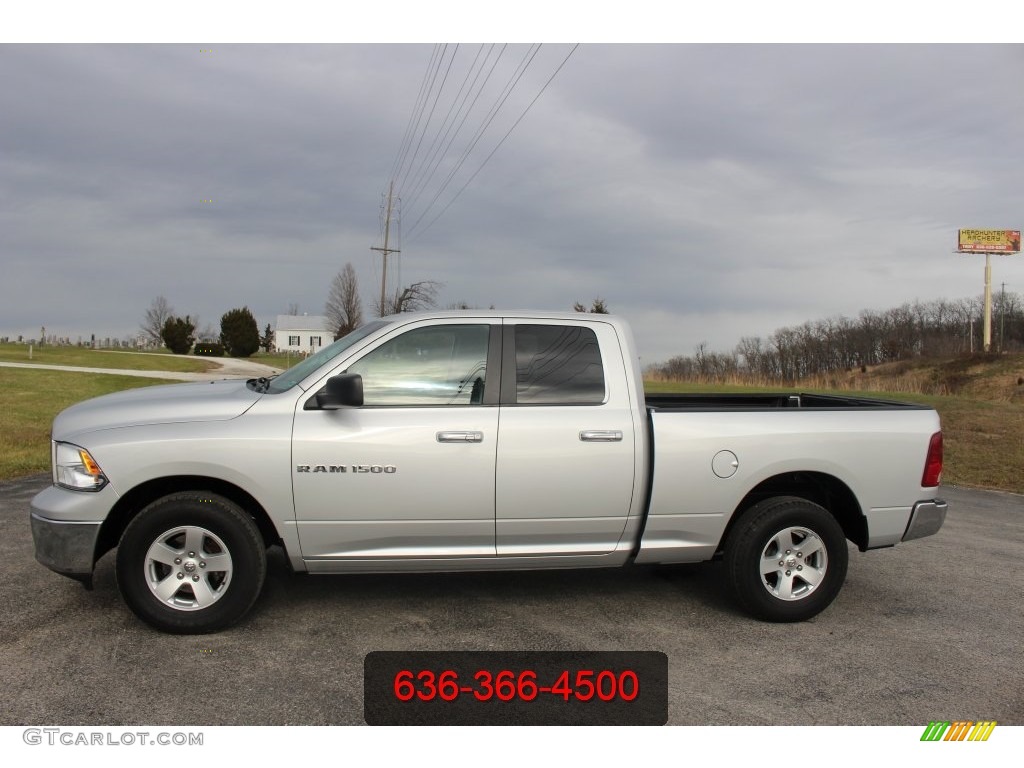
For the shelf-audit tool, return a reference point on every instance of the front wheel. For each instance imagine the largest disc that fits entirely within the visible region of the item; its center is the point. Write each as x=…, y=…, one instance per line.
x=786, y=559
x=191, y=563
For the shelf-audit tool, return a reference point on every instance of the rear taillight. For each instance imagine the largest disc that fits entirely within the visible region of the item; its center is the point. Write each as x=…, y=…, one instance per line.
x=933, y=463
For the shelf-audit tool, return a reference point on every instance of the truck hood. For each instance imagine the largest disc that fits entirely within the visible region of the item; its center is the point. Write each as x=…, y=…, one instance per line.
x=207, y=401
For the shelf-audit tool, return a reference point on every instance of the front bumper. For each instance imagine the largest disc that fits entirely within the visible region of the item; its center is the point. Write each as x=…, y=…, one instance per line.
x=66, y=547
x=926, y=519
x=65, y=527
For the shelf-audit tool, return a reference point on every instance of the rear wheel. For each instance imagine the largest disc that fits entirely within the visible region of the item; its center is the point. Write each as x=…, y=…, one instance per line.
x=191, y=563
x=786, y=559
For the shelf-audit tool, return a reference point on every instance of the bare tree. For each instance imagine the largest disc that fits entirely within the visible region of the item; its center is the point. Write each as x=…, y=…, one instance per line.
x=412, y=298
x=156, y=316
x=293, y=308
x=344, y=309
x=209, y=333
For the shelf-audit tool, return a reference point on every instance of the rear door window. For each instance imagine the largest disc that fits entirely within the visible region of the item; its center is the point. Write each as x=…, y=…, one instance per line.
x=558, y=365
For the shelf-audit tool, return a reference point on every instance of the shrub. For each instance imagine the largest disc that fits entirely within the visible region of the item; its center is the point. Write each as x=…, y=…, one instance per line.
x=209, y=349
x=179, y=334
x=239, y=333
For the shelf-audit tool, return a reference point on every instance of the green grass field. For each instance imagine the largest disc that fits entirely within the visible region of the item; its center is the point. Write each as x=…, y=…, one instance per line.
x=280, y=360
x=29, y=399
x=97, y=358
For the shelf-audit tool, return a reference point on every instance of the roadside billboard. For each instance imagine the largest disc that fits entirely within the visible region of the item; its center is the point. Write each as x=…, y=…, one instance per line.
x=988, y=241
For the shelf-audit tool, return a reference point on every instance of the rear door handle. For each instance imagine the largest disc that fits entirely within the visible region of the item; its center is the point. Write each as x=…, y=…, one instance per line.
x=460, y=437
x=601, y=436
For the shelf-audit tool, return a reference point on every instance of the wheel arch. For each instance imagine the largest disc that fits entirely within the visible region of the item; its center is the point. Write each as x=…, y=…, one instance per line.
x=820, y=488
x=135, y=500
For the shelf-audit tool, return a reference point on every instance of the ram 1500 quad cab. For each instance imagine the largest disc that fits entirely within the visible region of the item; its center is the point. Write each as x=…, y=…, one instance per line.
x=458, y=441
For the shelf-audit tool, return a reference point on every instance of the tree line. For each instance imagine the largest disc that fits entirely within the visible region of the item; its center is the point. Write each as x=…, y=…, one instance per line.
x=939, y=328
x=239, y=334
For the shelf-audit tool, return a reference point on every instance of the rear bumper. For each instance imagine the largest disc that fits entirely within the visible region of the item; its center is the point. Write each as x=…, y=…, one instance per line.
x=927, y=518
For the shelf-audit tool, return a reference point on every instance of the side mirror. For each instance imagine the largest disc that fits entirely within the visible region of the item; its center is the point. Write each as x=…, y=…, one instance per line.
x=342, y=391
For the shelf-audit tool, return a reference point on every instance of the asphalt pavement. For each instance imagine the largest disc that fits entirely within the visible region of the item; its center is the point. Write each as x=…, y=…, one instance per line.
x=929, y=630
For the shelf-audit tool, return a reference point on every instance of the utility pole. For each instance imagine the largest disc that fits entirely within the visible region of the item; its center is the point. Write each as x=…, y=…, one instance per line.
x=987, y=327
x=385, y=250
x=1002, y=316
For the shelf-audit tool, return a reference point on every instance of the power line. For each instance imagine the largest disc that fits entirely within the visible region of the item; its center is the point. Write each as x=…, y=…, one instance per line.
x=488, y=119
x=435, y=144
x=444, y=152
x=399, y=156
x=487, y=159
x=423, y=106
x=429, y=118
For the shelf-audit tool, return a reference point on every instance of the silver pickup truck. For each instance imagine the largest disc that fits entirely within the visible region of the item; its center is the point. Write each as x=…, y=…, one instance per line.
x=476, y=441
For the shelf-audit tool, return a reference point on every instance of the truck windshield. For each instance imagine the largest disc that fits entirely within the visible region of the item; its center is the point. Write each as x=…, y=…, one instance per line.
x=285, y=381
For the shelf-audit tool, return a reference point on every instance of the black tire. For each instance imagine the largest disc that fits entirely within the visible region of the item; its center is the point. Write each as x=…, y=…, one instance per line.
x=799, y=584
x=191, y=563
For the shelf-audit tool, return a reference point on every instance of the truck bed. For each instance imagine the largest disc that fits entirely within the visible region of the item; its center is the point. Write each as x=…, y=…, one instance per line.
x=769, y=401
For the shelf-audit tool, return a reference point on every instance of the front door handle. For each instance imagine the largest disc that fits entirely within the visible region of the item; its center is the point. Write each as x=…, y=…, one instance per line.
x=601, y=436
x=460, y=437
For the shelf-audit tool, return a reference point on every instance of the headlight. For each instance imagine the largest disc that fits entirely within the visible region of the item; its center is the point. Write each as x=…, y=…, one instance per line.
x=74, y=468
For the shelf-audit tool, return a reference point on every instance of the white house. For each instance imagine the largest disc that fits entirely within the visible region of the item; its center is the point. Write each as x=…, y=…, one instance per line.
x=301, y=333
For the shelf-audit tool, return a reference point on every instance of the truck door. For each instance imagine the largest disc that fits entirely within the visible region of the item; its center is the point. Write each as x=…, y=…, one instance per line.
x=411, y=473
x=565, y=466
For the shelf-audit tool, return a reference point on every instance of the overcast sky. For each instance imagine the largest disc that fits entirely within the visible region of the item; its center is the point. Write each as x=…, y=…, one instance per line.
x=706, y=192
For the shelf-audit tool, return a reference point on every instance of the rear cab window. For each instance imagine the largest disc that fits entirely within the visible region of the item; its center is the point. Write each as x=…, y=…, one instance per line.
x=555, y=365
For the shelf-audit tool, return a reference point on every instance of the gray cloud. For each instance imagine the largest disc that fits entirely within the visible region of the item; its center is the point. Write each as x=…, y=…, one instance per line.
x=707, y=192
